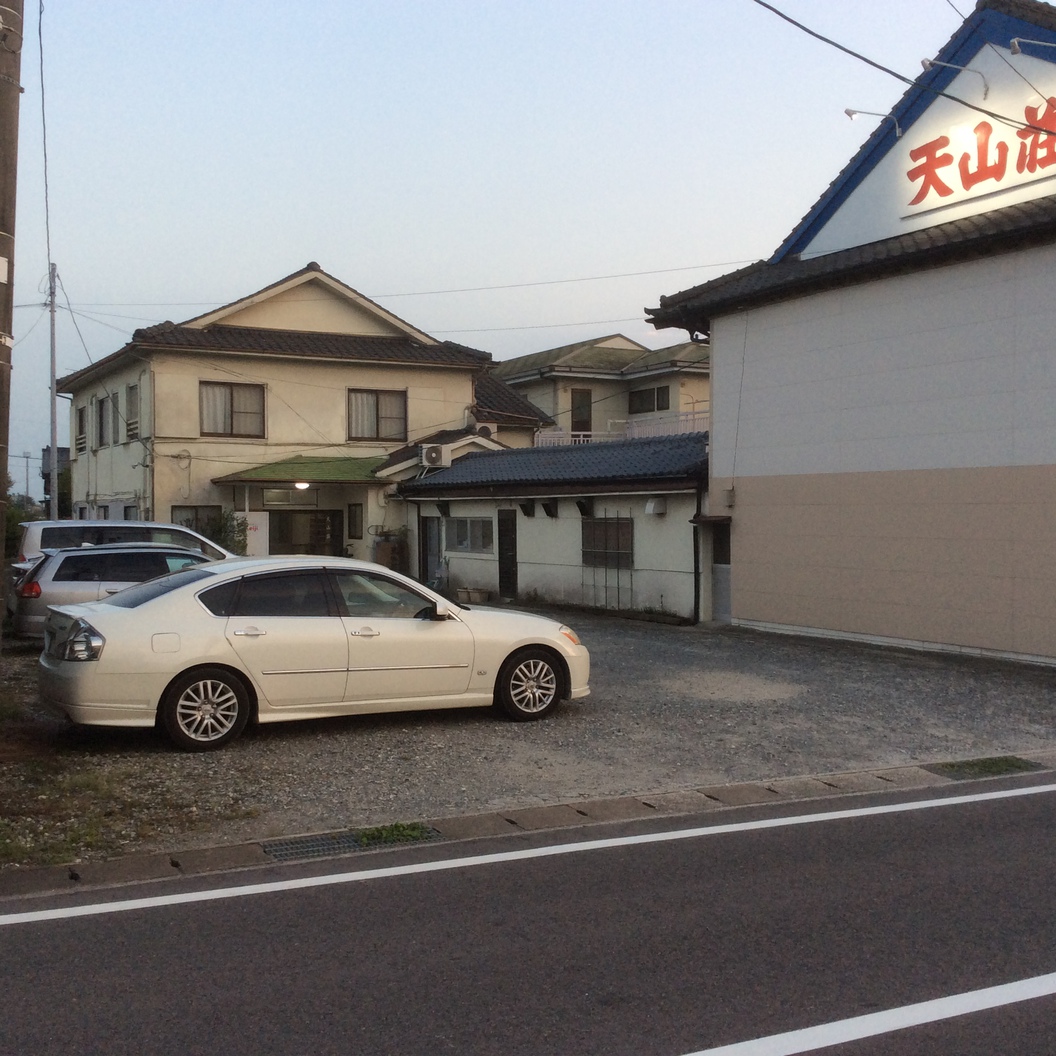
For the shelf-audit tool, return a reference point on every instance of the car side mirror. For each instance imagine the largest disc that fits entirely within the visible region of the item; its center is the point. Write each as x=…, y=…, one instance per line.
x=440, y=611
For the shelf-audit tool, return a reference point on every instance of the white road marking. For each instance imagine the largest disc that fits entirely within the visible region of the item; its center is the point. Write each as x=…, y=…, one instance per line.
x=844, y=1030
x=447, y=864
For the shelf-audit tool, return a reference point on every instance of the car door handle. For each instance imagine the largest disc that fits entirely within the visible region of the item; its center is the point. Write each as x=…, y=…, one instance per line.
x=112, y=590
x=365, y=632
x=250, y=632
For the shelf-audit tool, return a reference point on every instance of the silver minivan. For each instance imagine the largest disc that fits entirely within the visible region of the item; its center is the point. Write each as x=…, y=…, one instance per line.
x=38, y=536
x=90, y=573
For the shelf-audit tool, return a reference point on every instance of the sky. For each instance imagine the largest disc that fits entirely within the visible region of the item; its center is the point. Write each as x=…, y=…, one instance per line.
x=198, y=151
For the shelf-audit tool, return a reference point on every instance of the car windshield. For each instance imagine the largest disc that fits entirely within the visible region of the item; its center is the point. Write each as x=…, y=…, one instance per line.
x=133, y=597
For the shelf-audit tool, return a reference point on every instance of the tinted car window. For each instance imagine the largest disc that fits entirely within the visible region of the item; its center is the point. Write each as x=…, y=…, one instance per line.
x=133, y=597
x=67, y=535
x=292, y=594
x=79, y=568
x=134, y=568
x=220, y=600
x=369, y=594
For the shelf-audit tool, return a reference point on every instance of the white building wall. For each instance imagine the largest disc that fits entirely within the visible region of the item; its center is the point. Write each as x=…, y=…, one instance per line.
x=949, y=368
x=550, y=556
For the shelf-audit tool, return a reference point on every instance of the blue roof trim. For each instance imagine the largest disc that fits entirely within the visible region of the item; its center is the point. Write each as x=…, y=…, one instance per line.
x=982, y=27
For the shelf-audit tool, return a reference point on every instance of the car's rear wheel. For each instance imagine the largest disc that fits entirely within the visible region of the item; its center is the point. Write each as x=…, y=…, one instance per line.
x=529, y=685
x=205, y=709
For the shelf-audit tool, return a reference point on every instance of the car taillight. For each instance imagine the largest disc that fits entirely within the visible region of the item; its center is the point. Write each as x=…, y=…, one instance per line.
x=29, y=590
x=83, y=643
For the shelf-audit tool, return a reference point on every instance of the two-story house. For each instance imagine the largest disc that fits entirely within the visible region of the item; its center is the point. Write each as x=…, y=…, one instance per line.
x=297, y=407
x=614, y=388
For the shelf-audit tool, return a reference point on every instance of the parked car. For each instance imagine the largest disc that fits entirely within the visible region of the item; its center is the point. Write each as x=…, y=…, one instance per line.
x=203, y=651
x=82, y=574
x=38, y=536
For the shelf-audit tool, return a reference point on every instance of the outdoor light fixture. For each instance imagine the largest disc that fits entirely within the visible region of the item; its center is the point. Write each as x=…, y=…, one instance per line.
x=302, y=485
x=852, y=114
x=928, y=63
x=1014, y=43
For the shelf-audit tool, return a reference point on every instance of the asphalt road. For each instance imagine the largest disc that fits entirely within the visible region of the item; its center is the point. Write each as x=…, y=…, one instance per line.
x=679, y=942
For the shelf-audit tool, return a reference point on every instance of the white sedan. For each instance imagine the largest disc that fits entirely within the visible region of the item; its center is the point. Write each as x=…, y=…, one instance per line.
x=205, y=650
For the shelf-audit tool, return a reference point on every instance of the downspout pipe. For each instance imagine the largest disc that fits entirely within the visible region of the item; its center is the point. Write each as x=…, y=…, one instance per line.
x=696, y=552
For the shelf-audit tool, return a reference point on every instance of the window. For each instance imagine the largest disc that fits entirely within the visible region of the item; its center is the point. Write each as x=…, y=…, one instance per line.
x=131, y=412
x=642, y=401
x=378, y=415
x=131, y=513
x=283, y=594
x=103, y=421
x=205, y=520
x=368, y=595
x=80, y=443
x=608, y=542
x=470, y=535
x=582, y=401
x=355, y=520
x=231, y=410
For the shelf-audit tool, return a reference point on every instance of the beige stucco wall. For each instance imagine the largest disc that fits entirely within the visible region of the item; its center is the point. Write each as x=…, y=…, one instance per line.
x=305, y=413
x=118, y=475
x=963, y=557
x=316, y=307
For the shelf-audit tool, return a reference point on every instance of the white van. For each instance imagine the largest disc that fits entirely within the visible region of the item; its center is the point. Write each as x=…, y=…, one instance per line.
x=38, y=536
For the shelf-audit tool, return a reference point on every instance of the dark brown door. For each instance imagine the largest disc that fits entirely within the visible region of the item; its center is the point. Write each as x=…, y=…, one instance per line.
x=508, y=553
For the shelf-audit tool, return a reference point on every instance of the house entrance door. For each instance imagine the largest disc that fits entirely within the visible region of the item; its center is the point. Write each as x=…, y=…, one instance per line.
x=429, y=552
x=306, y=532
x=507, y=553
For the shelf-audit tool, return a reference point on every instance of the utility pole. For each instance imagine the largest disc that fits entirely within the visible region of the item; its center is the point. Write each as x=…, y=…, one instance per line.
x=10, y=89
x=53, y=455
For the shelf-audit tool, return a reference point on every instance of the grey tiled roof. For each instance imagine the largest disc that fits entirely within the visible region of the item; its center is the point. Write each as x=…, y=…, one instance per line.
x=999, y=231
x=655, y=459
x=352, y=347
x=497, y=402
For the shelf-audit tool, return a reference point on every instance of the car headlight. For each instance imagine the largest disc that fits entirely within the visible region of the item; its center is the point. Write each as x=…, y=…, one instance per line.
x=570, y=634
x=84, y=642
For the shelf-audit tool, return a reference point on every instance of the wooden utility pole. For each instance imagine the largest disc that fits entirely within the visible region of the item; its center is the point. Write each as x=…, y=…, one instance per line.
x=10, y=89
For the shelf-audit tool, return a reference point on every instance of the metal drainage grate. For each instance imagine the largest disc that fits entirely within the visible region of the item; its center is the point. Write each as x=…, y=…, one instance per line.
x=326, y=844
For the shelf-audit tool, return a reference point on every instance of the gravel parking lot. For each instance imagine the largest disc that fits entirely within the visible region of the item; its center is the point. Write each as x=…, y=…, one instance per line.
x=671, y=708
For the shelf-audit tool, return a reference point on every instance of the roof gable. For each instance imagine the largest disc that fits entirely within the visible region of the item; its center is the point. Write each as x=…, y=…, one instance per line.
x=937, y=160
x=611, y=354
x=310, y=301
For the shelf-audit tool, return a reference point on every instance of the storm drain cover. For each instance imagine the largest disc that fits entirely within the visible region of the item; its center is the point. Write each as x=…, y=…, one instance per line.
x=997, y=766
x=326, y=844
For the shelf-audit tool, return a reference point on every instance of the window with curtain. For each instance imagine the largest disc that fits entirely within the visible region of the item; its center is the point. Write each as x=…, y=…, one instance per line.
x=231, y=410
x=377, y=414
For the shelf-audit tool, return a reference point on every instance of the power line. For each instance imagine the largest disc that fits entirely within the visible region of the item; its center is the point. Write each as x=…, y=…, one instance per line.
x=433, y=293
x=558, y=282
x=1010, y=121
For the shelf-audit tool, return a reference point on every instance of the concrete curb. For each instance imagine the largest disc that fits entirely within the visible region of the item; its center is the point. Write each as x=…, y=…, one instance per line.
x=580, y=814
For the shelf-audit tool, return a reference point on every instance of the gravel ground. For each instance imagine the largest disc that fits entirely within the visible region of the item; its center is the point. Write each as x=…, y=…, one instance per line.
x=671, y=708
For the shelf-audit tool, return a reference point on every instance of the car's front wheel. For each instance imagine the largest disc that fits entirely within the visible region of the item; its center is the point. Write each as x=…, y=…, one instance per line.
x=529, y=685
x=205, y=709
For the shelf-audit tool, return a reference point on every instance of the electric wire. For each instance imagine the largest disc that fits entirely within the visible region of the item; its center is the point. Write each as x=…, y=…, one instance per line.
x=1011, y=122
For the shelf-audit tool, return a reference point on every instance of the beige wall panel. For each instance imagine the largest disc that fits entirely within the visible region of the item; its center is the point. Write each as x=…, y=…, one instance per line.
x=312, y=307
x=939, y=561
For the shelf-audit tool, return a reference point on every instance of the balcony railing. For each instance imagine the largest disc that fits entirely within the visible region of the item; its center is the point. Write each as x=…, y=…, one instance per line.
x=669, y=425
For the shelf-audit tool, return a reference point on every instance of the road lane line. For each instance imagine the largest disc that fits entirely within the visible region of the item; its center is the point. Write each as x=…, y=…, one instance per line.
x=842, y=1031
x=447, y=864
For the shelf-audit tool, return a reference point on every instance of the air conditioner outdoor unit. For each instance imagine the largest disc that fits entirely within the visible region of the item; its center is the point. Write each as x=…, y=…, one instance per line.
x=434, y=455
